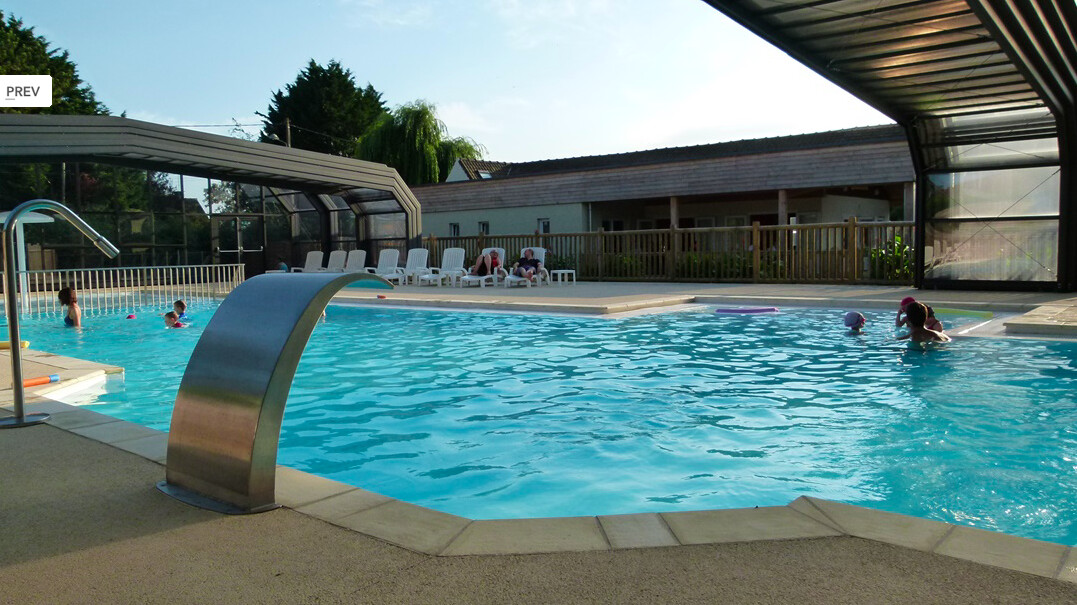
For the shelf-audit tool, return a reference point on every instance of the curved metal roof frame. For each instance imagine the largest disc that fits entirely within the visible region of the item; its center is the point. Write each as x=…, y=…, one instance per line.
x=122, y=141
x=951, y=72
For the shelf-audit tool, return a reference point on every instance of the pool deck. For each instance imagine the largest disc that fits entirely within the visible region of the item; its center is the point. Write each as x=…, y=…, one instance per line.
x=85, y=523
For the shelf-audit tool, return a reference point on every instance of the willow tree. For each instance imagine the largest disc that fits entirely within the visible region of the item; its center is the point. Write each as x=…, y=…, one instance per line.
x=415, y=142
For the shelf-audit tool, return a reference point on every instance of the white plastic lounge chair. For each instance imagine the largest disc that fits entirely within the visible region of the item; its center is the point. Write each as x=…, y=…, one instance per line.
x=416, y=264
x=356, y=262
x=541, y=275
x=452, y=267
x=336, y=262
x=490, y=278
x=313, y=263
x=388, y=266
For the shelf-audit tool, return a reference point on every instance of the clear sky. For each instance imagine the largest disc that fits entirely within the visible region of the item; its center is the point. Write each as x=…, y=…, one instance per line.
x=527, y=79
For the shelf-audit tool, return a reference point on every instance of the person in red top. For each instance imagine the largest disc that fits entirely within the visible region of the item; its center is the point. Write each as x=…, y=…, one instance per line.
x=486, y=263
x=172, y=320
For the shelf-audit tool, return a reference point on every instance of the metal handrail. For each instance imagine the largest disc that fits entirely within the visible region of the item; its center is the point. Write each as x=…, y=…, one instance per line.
x=11, y=308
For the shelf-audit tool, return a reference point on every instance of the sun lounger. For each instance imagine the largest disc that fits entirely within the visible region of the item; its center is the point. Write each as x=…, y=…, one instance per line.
x=452, y=267
x=541, y=275
x=388, y=266
x=313, y=263
x=490, y=278
x=356, y=262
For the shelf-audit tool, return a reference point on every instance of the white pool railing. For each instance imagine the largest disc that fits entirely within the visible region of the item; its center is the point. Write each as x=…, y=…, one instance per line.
x=112, y=287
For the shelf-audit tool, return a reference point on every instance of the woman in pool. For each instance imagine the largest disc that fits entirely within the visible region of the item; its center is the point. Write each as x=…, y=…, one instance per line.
x=486, y=263
x=917, y=315
x=73, y=316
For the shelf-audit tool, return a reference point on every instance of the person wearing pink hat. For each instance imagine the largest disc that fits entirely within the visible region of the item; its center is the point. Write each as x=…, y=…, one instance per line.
x=902, y=319
x=918, y=332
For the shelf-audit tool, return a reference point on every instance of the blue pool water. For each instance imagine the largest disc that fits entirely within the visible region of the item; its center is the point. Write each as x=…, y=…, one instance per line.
x=492, y=415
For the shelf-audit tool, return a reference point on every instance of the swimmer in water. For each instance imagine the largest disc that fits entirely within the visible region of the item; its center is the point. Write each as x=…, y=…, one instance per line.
x=68, y=298
x=172, y=320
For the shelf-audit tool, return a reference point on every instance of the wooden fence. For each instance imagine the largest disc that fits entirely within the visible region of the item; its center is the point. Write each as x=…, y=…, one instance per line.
x=852, y=252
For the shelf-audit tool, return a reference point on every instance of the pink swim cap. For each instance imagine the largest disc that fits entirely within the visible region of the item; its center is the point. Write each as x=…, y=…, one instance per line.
x=907, y=300
x=854, y=319
x=131, y=316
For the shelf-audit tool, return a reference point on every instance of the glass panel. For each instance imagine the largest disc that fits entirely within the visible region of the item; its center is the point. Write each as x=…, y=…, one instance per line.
x=222, y=197
x=250, y=199
x=1002, y=251
x=342, y=224
x=379, y=226
x=165, y=192
x=309, y=226
x=168, y=228
x=136, y=228
x=993, y=193
x=997, y=154
x=378, y=207
x=195, y=190
x=293, y=201
x=335, y=202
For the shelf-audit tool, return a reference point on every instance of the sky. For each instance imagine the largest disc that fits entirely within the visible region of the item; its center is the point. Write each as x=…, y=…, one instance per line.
x=527, y=79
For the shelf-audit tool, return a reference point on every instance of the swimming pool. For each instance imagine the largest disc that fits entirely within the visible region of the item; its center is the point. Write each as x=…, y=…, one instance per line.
x=491, y=415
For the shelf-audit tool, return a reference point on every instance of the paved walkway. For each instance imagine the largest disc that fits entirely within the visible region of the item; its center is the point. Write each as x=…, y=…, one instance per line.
x=84, y=523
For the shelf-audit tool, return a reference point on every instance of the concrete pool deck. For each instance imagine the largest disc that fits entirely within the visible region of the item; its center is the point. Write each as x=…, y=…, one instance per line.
x=85, y=515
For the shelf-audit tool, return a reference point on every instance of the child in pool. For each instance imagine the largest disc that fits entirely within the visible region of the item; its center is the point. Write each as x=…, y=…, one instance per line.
x=855, y=322
x=932, y=322
x=172, y=320
x=917, y=315
x=68, y=298
x=180, y=309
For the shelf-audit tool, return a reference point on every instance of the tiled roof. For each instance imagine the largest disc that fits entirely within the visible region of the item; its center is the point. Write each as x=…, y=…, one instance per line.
x=819, y=140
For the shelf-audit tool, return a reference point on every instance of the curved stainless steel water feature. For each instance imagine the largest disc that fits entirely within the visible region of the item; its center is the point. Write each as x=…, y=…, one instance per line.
x=11, y=298
x=222, y=445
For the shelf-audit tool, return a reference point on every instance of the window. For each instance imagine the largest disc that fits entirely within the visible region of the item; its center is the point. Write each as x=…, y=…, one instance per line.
x=544, y=225
x=613, y=225
x=644, y=223
x=705, y=222
x=454, y=229
x=736, y=221
x=484, y=227
x=484, y=174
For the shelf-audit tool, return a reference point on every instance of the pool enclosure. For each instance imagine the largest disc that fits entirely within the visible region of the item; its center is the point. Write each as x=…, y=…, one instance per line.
x=169, y=196
x=986, y=91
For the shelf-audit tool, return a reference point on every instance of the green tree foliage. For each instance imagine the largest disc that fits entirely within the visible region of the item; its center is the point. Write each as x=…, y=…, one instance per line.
x=415, y=142
x=23, y=53
x=328, y=111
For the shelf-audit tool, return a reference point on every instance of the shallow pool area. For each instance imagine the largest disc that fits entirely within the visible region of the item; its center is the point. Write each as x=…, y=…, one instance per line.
x=491, y=415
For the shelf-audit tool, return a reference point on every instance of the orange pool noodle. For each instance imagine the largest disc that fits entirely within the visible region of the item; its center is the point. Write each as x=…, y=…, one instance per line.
x=33, y=382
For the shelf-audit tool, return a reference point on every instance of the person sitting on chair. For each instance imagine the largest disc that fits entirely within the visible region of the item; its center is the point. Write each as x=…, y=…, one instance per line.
x=486, y=264
x=527, y=266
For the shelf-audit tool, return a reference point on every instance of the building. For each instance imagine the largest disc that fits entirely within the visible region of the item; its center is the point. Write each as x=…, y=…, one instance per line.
x=810, y=178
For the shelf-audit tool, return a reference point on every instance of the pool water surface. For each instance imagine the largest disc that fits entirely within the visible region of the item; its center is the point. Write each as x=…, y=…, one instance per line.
x=497, y=415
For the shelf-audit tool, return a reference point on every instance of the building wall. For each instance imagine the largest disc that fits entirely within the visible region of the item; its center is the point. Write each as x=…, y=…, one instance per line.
x=564, y=218
x=838, y=208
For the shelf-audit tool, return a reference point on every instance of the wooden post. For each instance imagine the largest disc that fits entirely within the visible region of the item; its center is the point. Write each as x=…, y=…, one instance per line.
x=852, y=251
x=600, y=243
x=755, y=251
x=674, y=254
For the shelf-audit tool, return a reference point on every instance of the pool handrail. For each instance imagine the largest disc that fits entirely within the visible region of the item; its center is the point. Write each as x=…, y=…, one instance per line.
x=11, y=308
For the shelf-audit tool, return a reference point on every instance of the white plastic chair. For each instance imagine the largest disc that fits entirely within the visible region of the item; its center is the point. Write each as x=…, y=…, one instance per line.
x=356, y=262
x=416, y=264
x=336, y=262
x=541, y=275
x=313, y=263
x=490, y=277
x=388, y=266
x=452, y=267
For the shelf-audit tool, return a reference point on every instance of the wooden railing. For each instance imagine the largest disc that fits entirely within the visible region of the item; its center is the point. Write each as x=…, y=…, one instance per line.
x=851, y=252
x=125, y=287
